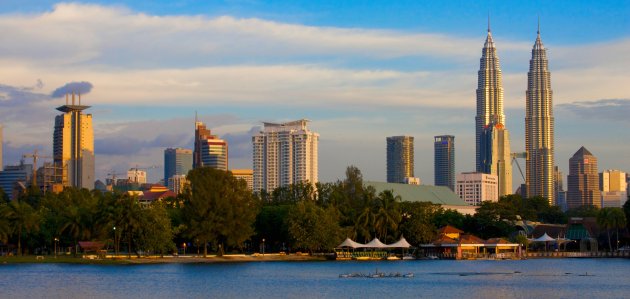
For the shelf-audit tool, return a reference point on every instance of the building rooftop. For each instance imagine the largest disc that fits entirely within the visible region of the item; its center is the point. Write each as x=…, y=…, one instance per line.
x=441, y=195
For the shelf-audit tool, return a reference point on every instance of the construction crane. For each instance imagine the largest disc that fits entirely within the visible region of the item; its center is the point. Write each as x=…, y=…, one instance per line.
x=520, y=156
x=113, y=174
x=35, y=156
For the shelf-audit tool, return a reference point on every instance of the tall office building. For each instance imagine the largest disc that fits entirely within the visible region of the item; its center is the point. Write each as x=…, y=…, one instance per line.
x=583, y=180
x=558, y=188
x=13, y=174
x=496, y=160
x=210, y=151
x=177, y=161
x=444, y=164
x=614, y=188
x=73, y=145
x=399, y=158
x=539, y=126
x=283, y=154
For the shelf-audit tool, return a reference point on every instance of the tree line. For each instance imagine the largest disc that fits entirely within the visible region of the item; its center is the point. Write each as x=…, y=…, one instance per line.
x=217, y=213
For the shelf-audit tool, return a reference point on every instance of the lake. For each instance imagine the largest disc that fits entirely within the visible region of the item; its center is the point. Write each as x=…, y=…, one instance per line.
x=534, y=278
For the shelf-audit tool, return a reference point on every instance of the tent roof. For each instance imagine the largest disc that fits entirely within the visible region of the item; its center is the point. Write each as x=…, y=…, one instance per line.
x=350, y=243
x=544, y=238
x=375, y=243
x=402, y=243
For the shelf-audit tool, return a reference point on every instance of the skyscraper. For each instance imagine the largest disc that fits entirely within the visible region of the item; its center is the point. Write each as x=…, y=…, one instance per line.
x=399, y=158
x=539, y=126
x=283, y=154
x=73, y=146
x=444, y=164
x=583, y=180
x=210, y=151
x=495, y=150
x=491, y=136
x=614, y=188
x=177, y=161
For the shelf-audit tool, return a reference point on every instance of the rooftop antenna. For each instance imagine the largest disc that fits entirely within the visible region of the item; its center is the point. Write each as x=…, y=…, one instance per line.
x=79, y=99
x=488, y=21
x=66, y=98
x=72, y=98
x=538, y=32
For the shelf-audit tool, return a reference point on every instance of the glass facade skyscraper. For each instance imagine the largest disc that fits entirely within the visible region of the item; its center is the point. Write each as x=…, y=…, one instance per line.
x=444, y=164
x=399, y=158
x=177, y=161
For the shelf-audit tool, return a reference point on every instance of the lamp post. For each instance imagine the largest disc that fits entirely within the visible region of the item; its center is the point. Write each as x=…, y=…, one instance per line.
x=184, y=248
x=115, y=247
x=56, y=240
x=263, y=251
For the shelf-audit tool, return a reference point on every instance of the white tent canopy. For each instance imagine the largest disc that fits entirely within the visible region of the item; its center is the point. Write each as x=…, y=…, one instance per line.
x=351, y=244
x=402, y=243
x=375, y=243
x=543, y=238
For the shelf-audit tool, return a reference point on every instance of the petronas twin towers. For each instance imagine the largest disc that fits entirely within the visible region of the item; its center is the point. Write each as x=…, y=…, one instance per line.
x=493, y=154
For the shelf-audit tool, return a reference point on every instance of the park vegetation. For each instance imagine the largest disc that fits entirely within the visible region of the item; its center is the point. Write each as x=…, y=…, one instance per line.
x=217, y=213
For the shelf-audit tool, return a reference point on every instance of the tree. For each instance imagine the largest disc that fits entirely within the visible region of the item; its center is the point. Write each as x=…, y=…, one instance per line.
x=388, y=214
x=129, y=217
x=417, y=221
x=626, y=210
x=218, y=208
x=22, y=218
x=313, y=227
x=583, y=211
x=611, y=218
x=155, y=233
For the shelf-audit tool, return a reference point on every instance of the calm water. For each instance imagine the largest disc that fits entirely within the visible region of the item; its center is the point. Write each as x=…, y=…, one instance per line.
x=608, y=278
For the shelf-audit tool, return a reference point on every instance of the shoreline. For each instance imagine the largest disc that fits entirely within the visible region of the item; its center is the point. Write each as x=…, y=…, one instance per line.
x=167, y=259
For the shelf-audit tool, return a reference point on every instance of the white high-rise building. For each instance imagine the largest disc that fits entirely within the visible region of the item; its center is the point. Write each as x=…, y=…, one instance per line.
x=475, y=187
x=614, y=188
x=284, y=154
x=73, y=146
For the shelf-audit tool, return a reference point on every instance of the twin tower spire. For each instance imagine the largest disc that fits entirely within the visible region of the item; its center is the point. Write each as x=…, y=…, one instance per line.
x=493, y=154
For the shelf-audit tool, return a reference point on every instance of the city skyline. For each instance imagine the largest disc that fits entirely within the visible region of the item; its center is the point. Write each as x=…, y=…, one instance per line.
x=421, y=74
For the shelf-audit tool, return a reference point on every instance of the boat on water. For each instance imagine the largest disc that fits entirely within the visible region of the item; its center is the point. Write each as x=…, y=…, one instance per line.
x=377, y=275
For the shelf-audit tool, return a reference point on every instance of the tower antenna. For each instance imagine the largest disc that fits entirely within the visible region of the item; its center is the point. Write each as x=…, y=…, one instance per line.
x=538, y=32
x=488, y=21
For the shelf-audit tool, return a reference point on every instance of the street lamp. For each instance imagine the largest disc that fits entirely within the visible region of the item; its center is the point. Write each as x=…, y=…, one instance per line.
x=115, y=247
x=184, y=248
x=263, y=251
x=56, y=240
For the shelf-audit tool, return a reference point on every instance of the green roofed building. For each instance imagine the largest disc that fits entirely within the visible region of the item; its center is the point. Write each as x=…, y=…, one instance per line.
x=441, y=195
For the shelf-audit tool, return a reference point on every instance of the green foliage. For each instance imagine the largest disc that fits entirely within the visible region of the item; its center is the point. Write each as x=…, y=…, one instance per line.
x=219, y=208
x=155, y=233
x=583, y=211
x=626, y=211
x=314, y=228
x=609, y=219
x=22, y=219
x=271, y=225
x=417, y=221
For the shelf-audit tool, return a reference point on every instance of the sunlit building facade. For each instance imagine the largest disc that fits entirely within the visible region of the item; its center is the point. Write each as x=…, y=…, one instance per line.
x=210, y=151
x=399, y=158
x=539, y=126
x=583, y=180
x=73, y=145
x=283, y=154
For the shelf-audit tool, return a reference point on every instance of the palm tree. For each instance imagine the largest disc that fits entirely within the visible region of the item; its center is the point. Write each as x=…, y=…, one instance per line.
x=611, y=218
x=388, y=214
x=129, y=218
x=22, y=218
x=364, y=225
x=5, y=228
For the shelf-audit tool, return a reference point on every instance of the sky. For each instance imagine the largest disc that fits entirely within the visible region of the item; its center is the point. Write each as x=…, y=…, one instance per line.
x=359, y=70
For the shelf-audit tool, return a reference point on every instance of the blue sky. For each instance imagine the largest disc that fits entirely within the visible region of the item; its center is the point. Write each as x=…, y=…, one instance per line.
x=360, y=70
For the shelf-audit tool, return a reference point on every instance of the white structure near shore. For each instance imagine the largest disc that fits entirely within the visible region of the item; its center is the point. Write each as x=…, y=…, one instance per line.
x=475, y=187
